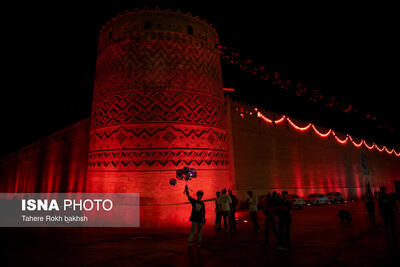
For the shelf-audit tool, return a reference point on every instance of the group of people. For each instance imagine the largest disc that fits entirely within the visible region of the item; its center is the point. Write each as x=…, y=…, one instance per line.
x=225, y=207
x=276, y=210
x=386, y=209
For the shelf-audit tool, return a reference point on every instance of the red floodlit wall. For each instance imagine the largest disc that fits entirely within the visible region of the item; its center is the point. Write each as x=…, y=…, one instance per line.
x=56, y=163
x=158, y=106
x=277, y=156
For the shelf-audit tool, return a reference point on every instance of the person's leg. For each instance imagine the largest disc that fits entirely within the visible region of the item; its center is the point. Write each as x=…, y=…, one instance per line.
x=199, y=232
x=370, y=216
x=373, y=216
x=281, y=230
x=233, y=216
x=231, y=227
x=253, y=220
x=225, y=215
x=191, y=234
x=219, y=218
x=287, y=232
x=266, y=234
x=257, y=227
x=393, y=228
x=277, y=235
x=386, y=224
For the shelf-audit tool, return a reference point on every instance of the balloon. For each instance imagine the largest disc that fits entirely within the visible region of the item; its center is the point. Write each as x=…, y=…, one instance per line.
x=173, y=182
x=179, y=174
x=188, y=178
x=193, y=172
x=185, y=170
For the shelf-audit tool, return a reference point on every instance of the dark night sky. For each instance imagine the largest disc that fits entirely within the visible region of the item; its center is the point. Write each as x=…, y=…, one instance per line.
x=350, y=52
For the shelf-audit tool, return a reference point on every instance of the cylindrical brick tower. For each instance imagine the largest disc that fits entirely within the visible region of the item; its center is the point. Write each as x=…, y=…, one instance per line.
x=158, y=106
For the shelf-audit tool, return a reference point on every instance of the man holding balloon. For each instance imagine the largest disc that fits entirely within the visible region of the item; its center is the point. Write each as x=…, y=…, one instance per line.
x=197, y=217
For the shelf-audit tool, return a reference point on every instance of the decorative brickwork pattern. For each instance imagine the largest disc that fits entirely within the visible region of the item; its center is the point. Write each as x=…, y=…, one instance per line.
x=158, y=101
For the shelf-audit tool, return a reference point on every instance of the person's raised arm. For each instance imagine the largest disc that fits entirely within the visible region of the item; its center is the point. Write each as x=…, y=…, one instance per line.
x=187, y=194
x=186, y=191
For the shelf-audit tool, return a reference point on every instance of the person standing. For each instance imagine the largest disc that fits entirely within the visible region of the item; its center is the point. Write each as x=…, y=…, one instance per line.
x=386, y=206
x=270, y=221
x=370, y=206
x=284, y=218
x=197, y=217
x=233, y=208
x=253, y=202
x=274, y=196
x=218, y=212
x=225, y=204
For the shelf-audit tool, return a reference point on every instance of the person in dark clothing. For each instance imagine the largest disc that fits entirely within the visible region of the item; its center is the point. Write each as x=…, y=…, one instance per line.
x=270, y=221
x=370, y=206
x=344, y=215
x=218, y=213
x=273, y=197
x=197, y=217
x=233, y=208
x=284, y=218
x=387, y=206
x=269, y=198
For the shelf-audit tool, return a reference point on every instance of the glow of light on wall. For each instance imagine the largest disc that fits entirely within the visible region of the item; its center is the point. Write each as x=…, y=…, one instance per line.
x=327, y=134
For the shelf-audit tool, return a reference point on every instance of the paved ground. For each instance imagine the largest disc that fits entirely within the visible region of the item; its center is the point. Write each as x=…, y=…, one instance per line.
x=318, y=239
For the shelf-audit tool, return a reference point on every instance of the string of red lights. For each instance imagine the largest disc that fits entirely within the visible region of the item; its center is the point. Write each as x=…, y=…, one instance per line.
x=323, y=135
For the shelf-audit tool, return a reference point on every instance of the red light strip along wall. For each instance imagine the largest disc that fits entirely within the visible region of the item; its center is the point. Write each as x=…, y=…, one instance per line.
x=322, y=135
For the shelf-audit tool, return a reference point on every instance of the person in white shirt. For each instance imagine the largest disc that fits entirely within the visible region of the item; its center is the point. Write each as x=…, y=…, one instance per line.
x=225, y=203
x=253, y=202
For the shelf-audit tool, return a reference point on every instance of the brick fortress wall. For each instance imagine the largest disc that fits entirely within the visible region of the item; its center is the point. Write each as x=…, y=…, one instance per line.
x=56, y=163
x=277, y=157
x=265, y=157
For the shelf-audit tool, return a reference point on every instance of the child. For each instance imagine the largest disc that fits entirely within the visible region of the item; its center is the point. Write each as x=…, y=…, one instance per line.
x=198, y=216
